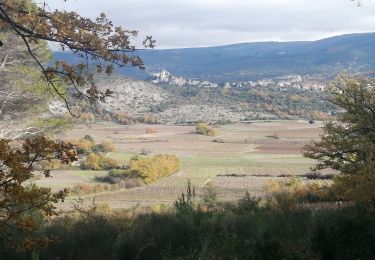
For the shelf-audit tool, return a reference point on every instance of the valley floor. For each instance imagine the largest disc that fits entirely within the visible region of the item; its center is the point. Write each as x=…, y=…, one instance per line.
x=243, y=157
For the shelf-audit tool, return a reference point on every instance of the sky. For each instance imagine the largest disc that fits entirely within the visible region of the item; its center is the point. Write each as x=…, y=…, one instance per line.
x=197, y=23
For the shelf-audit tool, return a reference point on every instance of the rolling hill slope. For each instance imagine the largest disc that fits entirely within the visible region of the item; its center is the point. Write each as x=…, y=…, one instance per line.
x=248, y=61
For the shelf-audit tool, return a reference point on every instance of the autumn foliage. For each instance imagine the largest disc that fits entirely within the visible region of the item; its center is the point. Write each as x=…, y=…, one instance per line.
x=96, y=161
x=205, y=129
x=151, y=131
x=108, y=146
x=96, y=41
x=87, y=145
x=149, y=169
x=19, y=163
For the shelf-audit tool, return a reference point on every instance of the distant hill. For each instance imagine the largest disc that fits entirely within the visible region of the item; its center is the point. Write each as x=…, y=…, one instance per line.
x=248, y=61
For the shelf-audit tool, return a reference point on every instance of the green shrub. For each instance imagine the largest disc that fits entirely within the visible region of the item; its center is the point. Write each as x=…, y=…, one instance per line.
x=184, y=205
x=346, y=233
x=209, y=196
x=248, y=203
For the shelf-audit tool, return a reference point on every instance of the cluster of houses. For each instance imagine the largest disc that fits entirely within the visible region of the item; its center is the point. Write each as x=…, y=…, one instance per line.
x=283, y=82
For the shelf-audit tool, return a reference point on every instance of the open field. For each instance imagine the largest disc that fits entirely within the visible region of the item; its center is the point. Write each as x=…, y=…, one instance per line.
x=242, y=157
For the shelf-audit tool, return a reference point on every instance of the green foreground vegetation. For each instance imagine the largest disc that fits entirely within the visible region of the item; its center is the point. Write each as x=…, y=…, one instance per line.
x=246, y=230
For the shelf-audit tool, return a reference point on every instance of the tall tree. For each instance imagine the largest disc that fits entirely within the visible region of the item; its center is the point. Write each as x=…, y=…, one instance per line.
x=348, y=145
x=98, y=41
x=24, y=93
x=100, y=44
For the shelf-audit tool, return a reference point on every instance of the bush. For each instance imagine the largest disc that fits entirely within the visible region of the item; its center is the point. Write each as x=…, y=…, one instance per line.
x=98, y=148
x=129, y=183
x=107, y=163
x=209, y=196
x=91, y=162
x=345, y=233
x=122, y=181
x=87, y=117
x=118, y=172
x=264, y=233
x=123, y=118
x=145, y=152
x=287, y=194
x=205, y=129
x=248, y=203
x=149, y=169
x=104, y=147
x=85, y=189
x=89, y=138
x=148, y=119
x=108, y=147
x=95, y=161
x=151, y=131
x=84, y=146
x=212, y=132
x=359, y=187
x=170, y=235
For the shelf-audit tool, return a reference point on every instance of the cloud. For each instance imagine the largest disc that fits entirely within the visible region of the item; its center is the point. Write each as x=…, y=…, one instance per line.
x=189, y=23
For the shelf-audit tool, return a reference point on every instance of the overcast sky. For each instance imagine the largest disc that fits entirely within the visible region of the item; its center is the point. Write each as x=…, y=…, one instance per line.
x=192, y=23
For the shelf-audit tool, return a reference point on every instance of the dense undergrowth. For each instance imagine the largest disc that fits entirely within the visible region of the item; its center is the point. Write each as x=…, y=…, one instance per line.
x=245, y=230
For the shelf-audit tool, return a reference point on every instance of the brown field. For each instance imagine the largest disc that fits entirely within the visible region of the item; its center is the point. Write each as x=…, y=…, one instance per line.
x=257, y=152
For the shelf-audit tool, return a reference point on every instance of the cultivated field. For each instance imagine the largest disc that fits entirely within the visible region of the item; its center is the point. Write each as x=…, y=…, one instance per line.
x=242, y=157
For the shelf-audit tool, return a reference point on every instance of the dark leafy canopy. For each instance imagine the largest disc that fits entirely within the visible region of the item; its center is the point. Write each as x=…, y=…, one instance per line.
x=97, y=41
x=348, y=145
x=17, y=199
